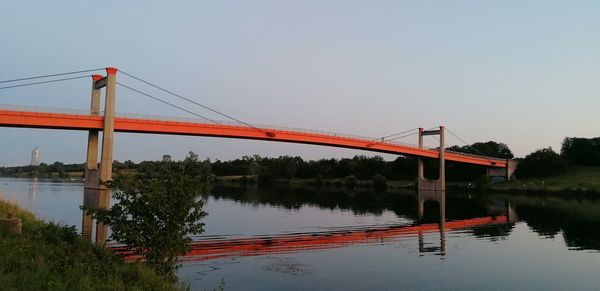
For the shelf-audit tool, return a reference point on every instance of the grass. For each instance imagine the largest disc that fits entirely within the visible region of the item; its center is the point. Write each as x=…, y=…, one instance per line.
x=577, y=179
x=52, y=257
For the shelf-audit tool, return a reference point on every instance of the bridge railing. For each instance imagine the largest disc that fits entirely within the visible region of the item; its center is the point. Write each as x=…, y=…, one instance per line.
x=46, y=109
x=296, y=130
x=265, y=127
x=269, y=127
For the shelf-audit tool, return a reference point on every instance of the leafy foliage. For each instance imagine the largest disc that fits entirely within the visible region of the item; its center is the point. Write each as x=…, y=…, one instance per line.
x=490, y=149
x=541, y=163
x=157, y=210
x=48, y=256
x=581, y=151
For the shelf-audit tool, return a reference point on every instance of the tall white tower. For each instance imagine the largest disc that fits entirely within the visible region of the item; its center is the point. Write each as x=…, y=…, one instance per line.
x=35, y=156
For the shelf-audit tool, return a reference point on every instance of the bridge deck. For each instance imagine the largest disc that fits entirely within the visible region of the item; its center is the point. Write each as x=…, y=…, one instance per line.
x=73, y=121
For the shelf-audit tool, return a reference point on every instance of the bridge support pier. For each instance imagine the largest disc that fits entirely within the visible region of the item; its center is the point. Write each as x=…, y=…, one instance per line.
x=428, y=189
x=96, y=194
x=506, y=173
x=91, y=187
x=440, y=183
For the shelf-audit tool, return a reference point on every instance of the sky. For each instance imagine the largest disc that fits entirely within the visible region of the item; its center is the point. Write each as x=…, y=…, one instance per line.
x=524, y=73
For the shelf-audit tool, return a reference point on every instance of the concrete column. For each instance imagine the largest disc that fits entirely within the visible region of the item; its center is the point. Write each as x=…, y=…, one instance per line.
x=101, y=229
x=440, y=183
x=511, y=213
x=420, y=171
x=109, y=126
x=511, y=167
x=90, y=199
x=107, y=149
x=432, y=190
x=91, y=165
x=442, y=160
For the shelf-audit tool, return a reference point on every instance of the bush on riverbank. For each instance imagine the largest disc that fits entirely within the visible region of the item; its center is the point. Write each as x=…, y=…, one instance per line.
x=541, y=163
x=52, y=257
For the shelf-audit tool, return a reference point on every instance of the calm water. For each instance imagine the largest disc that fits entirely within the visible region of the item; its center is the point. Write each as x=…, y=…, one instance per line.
x=352, y=240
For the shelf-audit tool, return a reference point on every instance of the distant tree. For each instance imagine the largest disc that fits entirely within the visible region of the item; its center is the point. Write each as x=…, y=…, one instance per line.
x=43, y=170
x=288, y=167
x=147, y=167
x=128, y=164
x=157, y=210
x=116, y=165
x=541, y=163
x=581, y=151
x=254, y=168
x=490, y=148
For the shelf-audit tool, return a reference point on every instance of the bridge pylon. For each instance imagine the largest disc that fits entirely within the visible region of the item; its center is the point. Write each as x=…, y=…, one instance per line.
x=96, y=194
x=438, y=184
x=428, y=189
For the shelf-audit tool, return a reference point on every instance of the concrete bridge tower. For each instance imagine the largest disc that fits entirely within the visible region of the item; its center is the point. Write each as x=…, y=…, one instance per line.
x=428, y=189
x=96, y=194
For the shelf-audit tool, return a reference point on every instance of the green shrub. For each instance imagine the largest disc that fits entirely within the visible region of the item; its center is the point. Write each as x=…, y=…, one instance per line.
x=541, y=163
x=52, y=257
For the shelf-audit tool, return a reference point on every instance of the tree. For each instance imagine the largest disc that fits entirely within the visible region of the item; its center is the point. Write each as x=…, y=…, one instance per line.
x=157, y=210
x=490, y=148
x=581, y=151
x=541, y=163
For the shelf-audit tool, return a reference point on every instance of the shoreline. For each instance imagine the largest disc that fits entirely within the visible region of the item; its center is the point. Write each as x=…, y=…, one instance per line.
x=48, y=256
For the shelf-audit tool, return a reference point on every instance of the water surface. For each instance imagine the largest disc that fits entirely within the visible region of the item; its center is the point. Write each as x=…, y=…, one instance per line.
x=553, y=244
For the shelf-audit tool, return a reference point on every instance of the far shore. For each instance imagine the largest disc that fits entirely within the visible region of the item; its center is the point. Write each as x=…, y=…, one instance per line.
x=576, y=180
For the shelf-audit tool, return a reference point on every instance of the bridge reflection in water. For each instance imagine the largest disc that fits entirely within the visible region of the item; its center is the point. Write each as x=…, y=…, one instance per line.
x=209, y=248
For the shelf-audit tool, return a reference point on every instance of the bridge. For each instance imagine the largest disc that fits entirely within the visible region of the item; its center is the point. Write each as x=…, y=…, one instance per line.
x=109, y=122
x=31, y=117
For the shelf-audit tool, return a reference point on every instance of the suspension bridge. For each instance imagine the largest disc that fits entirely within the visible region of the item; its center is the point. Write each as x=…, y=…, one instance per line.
x=109, y=121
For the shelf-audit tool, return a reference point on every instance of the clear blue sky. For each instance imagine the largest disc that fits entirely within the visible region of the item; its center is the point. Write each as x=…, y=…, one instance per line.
x=521, y=72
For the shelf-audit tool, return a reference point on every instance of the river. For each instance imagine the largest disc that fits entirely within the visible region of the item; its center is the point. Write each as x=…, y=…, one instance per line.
x=283, y=238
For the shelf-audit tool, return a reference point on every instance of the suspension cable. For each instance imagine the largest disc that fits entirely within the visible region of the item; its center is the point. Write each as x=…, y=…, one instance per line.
x=50, y=75
x=399, y=133
x=403, y=136
x=470, y=146
x=165, y=102
x=44, y=82
x=190, y=100
x=452, y=133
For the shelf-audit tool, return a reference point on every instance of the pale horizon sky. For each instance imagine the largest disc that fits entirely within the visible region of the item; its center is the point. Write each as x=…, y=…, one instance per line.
x=519, y=72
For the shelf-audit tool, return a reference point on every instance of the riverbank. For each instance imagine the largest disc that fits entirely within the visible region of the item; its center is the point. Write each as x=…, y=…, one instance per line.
x=576, y=180
x=51, y=257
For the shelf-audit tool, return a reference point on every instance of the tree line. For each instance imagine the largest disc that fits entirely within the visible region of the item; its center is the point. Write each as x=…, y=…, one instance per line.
x=544, y=162
x=574, y=151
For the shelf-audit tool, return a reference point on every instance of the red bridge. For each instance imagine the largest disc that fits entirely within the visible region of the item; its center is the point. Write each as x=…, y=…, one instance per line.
x=109, y=122
x=30, y=118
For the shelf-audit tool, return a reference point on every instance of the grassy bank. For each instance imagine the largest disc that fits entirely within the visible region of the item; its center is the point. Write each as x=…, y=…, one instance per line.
x=52, y=257
x=577, y=179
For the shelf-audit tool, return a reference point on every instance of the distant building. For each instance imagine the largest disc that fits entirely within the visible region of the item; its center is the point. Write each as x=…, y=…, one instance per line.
x=166, y=158
x=35, y=157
